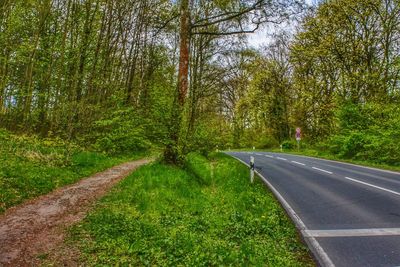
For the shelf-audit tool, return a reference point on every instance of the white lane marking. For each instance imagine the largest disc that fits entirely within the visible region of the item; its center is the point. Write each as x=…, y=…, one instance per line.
x=269, y=156
x=352, y=232
x=318, y=169
x=259, y=154
x=281, y=158
x=374, y=186
x=316, y=248
x=346, y=163
x=299, y=163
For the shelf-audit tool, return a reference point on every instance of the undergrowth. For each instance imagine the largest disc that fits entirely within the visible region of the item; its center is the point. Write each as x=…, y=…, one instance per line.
x=206, y=215
x=30, y=166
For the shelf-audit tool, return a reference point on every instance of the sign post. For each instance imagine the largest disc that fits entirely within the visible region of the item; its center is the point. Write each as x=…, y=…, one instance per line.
x=298, y=137
x=252, y=169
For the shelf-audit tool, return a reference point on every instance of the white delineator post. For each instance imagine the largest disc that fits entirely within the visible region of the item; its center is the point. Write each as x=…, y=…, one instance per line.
x=251, y=169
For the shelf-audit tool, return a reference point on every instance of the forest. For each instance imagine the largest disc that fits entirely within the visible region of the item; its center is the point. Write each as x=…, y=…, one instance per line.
x=111, y=75
x=92, y=90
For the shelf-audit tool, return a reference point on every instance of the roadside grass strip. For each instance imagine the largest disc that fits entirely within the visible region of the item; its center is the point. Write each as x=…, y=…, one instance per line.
x=206, y=215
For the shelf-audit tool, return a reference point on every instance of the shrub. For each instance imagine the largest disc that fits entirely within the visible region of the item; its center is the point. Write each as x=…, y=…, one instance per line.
x=208, y=135
x=289, y=144
x=123, y=133
x=371, y=133
x=266, y=142
x=354, y=143
x=353, y=116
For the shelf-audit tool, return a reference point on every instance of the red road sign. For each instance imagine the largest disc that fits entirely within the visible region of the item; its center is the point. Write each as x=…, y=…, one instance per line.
x=298, y=133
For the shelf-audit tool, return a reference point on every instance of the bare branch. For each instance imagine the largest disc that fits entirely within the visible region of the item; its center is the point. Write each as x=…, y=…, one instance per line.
x=175, y=16
x=229, y=33
x=228, y=16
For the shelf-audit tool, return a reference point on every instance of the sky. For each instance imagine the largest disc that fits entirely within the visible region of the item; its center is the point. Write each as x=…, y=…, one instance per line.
x=260, y=37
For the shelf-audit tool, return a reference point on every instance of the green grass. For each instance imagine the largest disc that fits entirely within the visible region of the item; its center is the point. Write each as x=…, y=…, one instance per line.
x=30, y=167
x=206, y=215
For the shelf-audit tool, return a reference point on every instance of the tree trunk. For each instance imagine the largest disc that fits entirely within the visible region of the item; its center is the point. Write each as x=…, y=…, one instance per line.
x=172, y=151
x=184, y=53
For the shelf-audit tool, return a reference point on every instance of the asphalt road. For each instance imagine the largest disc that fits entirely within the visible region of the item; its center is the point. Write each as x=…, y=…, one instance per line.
x=348, y=215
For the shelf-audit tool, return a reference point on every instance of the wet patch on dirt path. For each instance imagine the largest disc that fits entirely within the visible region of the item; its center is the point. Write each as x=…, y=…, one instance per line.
x=36, y=227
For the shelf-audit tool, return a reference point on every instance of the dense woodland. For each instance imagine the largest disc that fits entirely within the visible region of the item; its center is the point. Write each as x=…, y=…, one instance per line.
x=121, y=76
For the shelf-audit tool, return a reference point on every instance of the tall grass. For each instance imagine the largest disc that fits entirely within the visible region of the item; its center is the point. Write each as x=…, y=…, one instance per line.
x=206, y=215
x=30, y=167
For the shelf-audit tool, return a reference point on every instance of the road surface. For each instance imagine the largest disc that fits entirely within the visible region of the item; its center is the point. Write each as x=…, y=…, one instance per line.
x=348, y=215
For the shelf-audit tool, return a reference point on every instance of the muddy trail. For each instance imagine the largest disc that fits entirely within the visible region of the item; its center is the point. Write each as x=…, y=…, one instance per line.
x=38, y=226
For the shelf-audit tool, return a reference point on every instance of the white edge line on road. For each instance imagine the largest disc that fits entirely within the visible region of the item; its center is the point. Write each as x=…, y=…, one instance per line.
x=269, y=156
x=299, y=163
x=345, y=163
x=353, y=232
x=281, y=158
x=318, y=251
x=374, y=186
x=322, y=170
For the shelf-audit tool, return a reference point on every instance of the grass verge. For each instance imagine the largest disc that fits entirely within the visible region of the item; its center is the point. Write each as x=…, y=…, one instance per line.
x=30, y=167
x=206, y=215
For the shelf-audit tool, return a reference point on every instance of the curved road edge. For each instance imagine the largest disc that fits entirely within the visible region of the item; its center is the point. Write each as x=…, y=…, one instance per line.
x=317, y=251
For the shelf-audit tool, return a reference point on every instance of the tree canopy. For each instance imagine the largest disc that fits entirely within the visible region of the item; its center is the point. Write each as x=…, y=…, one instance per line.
x=181, y=75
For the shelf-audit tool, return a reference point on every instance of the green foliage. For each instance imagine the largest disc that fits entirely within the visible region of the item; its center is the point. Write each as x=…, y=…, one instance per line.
x=362, y=145
x=354, y=117
x=258, y=139
x=348, y=146
x=266, y=142
x=163, y=216
x=369, y=133
x=51, y=83
x=289, y=144
x=210, y=133
x=121, y=133
x=30, y=166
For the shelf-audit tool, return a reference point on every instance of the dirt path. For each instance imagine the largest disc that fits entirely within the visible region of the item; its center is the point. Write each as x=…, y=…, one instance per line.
x=36, y=227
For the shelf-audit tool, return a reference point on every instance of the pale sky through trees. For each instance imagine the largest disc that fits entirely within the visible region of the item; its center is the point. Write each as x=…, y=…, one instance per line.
x=260, y=37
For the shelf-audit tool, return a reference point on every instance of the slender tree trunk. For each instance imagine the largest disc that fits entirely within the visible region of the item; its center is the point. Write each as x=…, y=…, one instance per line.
x=4, y=54
x=172, y=152
x=87, y=30
x=45, y=10
x=3, y=82
x=184, y=53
